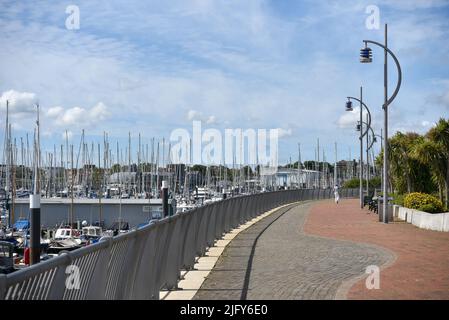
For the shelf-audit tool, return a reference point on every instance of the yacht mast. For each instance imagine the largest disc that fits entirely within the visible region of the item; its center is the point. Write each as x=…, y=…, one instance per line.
x=35, y=232
x=7, y=153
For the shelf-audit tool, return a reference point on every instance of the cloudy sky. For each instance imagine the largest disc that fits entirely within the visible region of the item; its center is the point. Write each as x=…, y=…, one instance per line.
x=153, y=66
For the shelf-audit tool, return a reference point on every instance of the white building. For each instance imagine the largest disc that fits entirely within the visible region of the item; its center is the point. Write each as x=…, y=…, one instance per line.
x=289, y=178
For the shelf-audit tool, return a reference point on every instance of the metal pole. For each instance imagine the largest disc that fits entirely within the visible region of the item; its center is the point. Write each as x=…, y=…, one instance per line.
x=7, y=177
x=335, y=167
x=165, y=198
x=361, y=149
x=35, y=205
x=367, y=160
x=385, y=168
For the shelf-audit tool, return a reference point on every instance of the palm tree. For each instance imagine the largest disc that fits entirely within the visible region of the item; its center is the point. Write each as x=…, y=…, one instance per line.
x=439, y=134
x=403, y=164
x=432, y=154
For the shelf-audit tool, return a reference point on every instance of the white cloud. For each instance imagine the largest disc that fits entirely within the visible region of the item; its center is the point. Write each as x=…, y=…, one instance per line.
x=55, y=112
x=193, y=115
x=99, y=112
x=349, y=119
x=77, y=116
x=284, y=132
x=73, y=116
x=19, y=102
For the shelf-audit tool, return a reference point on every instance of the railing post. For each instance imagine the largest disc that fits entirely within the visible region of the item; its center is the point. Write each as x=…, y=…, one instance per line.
x=2, y=286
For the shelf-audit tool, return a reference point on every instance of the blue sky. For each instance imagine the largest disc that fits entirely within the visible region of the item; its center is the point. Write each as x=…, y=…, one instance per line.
x=153, y=66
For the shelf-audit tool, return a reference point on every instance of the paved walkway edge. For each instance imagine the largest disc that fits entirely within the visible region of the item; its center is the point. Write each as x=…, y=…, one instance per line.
x=193, y=279
x=343, y=290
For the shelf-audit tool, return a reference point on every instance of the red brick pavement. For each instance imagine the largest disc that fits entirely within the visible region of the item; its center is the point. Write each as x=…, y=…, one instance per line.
x=421, y=270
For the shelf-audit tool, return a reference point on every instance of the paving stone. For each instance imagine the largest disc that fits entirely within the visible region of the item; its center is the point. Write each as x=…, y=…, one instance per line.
x=275, y=259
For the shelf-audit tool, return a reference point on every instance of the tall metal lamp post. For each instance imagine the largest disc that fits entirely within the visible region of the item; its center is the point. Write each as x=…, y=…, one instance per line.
x=381, y=147
x=366, y=57
x=362, y=134
x=369, y=145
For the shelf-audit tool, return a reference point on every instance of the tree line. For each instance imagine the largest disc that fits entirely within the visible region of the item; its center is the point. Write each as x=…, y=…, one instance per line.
x=420, y=163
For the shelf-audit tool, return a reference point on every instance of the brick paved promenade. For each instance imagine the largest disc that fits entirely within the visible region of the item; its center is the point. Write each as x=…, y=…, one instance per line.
x=275, y=259
x=421, y=268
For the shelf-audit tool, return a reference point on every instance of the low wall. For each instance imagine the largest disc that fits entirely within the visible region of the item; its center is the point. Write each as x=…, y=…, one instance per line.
x=423, y=220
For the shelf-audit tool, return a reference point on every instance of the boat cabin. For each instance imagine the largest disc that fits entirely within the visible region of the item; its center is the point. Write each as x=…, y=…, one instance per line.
x=66, y=233
x=91, y=232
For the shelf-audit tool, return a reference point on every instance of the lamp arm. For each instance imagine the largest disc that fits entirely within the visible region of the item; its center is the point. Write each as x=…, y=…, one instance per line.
x=372, y=132
x=369, y=114
x=372, y=141
x=398, y=85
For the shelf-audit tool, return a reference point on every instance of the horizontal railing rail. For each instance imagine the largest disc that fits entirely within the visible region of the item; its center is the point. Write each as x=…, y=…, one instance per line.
x=138, y=264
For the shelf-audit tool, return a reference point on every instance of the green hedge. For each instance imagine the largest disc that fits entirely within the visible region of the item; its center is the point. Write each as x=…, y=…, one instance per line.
x=423, y=202
x=355, y=183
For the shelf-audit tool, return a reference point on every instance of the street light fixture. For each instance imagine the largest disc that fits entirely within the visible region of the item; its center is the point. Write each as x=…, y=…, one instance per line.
x=349, y=105
x=366, y=57
x=366, y=54
x=381, y=139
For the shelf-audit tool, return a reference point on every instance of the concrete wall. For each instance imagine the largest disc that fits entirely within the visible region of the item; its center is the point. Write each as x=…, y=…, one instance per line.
x=423, y=220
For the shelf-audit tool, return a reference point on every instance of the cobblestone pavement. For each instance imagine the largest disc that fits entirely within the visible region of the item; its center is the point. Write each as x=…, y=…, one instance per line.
x=421, y=269
x=275, y=259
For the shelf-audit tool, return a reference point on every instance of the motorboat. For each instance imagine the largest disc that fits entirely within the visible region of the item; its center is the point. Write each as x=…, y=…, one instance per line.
x=91, y=234
x=65, y=238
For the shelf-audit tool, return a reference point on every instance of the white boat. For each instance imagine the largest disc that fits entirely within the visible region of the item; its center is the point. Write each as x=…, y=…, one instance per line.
x=185, y=205
x=65, y=239
x=202, y=193
x=66, y=233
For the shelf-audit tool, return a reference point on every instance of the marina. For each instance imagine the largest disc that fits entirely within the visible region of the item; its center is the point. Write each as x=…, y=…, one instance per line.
x=75, y=199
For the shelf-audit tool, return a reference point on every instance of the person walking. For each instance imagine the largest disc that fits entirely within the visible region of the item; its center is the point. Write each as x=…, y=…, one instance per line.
x=336, y=194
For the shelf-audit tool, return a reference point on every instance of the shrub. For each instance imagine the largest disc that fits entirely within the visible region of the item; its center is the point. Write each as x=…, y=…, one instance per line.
x=423, y=202
x=375, y=182
x=398, y=199
x=430, y=208
x=355, y=183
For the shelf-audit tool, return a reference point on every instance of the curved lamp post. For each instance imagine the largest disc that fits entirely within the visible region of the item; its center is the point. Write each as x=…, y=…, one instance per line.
x=366, y=57
x=372, y=134
x=381, y=139
x=369, y=145
x=381, y=146
x=362, y=134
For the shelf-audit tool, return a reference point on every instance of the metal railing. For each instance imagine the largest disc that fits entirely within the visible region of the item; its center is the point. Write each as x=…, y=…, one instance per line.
x=138, y=264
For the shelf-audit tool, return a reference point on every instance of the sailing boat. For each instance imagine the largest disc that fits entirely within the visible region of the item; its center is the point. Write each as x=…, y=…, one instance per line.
x=66, y=238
